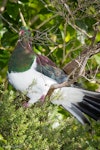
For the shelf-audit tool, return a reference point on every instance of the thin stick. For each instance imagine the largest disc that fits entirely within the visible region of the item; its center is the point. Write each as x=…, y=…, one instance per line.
x=10, y=25
x=22, y=18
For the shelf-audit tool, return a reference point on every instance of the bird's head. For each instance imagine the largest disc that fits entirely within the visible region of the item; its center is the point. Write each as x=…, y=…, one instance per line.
x=26, y=38
x=25, y=33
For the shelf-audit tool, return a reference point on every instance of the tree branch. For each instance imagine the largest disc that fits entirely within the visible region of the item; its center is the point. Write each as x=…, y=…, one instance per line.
x=85, y=55
x=76, y=66
x=80, y=62
x=10, y=25
x=22, y=18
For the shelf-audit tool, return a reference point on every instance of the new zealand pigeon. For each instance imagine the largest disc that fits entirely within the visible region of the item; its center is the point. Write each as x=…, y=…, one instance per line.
x=34, y=74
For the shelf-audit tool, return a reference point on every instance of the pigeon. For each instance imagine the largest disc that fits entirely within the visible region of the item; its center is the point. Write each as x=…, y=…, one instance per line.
x=33, y=74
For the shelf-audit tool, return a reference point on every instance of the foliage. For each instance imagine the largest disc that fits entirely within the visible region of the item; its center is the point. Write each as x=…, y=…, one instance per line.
x=61, y=30
x=41, y=127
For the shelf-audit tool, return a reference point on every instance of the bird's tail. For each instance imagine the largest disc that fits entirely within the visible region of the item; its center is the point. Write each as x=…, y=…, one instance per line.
x=90, y=104
x=80, y=103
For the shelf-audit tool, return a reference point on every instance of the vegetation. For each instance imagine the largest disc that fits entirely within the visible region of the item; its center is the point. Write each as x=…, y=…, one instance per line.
x=61, y=30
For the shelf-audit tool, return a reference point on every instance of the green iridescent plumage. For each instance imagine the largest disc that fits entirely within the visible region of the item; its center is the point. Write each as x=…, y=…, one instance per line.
x=22, y=56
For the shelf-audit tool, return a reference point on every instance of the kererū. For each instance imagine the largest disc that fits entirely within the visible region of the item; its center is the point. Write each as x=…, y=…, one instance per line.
x=34, y=74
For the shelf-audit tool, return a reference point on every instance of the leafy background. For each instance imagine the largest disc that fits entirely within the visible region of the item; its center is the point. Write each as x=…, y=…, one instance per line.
x=61, y=34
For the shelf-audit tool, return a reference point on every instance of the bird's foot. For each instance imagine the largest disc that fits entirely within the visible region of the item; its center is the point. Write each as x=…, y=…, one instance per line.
x=29, y=103
x=26, y=105
x=42, y=98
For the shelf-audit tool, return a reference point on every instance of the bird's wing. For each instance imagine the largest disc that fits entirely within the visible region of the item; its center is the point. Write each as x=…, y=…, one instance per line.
x=48, y=68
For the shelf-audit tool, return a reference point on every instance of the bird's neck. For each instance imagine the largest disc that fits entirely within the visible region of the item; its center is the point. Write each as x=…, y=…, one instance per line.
x=26, y=45
x=22, y=57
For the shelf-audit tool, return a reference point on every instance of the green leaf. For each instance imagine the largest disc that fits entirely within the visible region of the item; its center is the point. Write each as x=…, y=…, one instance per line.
x=8, y=37
x=13, y=10
x=97, y=58
x=4, y=56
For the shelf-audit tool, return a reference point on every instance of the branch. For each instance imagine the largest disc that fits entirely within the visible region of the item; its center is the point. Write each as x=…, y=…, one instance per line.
x=10, y=25
x=84, y=56
x=77, y=65
x=46, y=21
x=56, y=86
x=22, y=18
x=80, y=62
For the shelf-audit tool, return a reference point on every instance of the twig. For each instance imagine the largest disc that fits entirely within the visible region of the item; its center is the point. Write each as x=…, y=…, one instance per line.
x=33, y=20
x=81, y=61
x=79, y=67
x=46, y=21
x=64, y=43
x=67, y=8
x=10, y=25
x=22, y=18
x=79, y=29
x=56, y=86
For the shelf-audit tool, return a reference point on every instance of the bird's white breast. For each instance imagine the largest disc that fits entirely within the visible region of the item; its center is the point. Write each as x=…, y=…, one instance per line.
x=21, y=81
x=31, y=81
